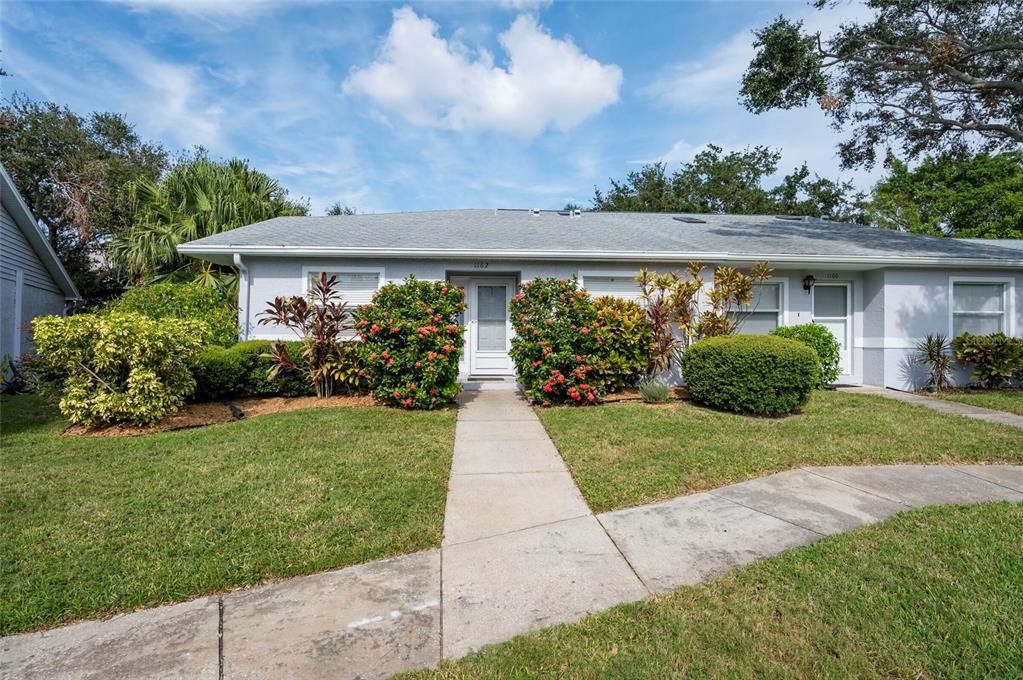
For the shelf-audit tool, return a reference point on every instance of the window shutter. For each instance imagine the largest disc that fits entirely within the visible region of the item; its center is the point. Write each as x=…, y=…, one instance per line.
x=624, y=287
x=356, y=288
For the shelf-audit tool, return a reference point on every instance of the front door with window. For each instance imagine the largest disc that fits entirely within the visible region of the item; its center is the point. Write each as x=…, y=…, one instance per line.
x=831, y=309
x=489, y=326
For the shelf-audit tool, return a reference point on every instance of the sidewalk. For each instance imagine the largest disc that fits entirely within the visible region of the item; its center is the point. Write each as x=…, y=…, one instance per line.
x=942, y=405
x=521, y=551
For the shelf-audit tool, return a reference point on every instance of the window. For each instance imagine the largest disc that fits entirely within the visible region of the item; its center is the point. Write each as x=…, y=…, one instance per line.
x=763, y=314
x=978, y=307
x=624, y=286
x=356, y=288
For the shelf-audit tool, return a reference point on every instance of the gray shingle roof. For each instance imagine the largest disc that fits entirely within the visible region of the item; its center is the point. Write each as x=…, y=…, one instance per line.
x=520, y=231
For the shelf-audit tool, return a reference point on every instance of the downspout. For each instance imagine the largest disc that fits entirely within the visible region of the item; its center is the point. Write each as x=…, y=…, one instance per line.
x=243, y=307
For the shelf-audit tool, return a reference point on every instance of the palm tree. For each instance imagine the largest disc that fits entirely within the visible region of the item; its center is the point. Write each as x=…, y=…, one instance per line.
x=197, y=198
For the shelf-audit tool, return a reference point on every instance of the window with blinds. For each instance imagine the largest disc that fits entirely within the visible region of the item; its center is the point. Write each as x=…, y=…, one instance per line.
x=625, y=287
x=356, y=288
x=978, y=308
x=764, y=311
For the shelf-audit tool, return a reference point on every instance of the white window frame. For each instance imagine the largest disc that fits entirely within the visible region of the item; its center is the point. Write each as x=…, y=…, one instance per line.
x=307, y=271
x=613, y=273
x=1008, y=300
x=783, y=300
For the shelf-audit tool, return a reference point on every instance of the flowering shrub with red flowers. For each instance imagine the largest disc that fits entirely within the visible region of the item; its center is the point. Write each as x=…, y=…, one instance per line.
x=411, y=342
x=555, y=347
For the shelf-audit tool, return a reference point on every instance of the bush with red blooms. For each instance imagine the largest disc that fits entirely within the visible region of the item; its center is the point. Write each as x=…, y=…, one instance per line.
x=555, y=347
x=412, y=343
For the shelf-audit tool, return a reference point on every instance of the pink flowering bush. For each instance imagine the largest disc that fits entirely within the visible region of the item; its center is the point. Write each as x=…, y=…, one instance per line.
x=411, y=342
x=556, y=346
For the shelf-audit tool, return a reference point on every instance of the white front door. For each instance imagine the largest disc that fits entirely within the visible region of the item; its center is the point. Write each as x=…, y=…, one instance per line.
x=490, y=329
x=831, y=309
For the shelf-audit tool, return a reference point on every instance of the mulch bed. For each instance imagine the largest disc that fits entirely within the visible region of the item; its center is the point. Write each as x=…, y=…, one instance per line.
x=212, y=413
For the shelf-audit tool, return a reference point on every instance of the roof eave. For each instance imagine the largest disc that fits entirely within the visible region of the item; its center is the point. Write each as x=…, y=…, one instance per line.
x=209, y=252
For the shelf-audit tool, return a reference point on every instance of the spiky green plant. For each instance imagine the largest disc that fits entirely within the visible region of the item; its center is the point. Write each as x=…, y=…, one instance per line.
x=934, y=352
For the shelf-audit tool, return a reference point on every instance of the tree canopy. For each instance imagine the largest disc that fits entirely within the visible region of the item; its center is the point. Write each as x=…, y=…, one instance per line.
x=980, y=197
x=339, y=208
x=927, y=76
x=733, y=182
x=198, y=197
x=73, y=172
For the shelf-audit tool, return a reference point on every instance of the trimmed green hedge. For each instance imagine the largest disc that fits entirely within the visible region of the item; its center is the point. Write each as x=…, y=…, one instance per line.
x=754, y=374
x=212, y=306
x=822, y=341
x=221, y=372
x=218, y=373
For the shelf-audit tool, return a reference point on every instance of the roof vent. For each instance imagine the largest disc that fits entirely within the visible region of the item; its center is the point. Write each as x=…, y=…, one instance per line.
x=575, y=212
x=534, y=211
x=797, y=218
x=689, y=220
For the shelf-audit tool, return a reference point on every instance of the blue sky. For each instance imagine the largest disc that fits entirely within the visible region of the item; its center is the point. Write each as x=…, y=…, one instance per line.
x=416, y=106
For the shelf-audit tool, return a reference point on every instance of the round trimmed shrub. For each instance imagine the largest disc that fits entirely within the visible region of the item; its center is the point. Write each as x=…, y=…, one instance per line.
x=218, y=373
x=625, y=341
x=753, y=374
x=411, y=342
x=822, y=341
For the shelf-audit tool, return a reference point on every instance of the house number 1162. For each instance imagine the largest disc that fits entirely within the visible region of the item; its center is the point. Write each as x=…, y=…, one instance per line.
x=480, y=265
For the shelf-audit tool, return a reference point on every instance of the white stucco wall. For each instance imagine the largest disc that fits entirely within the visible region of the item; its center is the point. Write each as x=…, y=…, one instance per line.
x=892, y=309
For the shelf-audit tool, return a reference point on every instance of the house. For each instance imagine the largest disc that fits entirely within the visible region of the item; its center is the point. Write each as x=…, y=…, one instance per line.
x=880, y=292
x=33, y=282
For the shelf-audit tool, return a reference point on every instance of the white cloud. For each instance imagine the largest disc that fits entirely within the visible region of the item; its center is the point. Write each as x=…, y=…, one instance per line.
x=433, y=82
x=520, y=5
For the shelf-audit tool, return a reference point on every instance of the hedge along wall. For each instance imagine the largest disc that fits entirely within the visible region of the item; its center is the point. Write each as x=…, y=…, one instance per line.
x=411, y=344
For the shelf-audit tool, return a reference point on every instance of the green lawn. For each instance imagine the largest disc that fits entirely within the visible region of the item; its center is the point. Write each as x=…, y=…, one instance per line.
x=90, y=526
x=930, y=593
x=999, y=400
x=629, y=453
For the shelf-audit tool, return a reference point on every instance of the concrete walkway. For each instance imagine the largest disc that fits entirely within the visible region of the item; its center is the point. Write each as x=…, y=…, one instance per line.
x=942, y=405
x=521, y=551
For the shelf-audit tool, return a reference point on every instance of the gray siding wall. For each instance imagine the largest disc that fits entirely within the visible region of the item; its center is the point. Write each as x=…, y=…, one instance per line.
x=39, y=294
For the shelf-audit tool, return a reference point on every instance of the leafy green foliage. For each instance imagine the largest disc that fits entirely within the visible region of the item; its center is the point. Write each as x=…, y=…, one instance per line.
x=654, y=390
x=320, y=322
x=733, y=182
x=754, y=374
x=680, y=312
x=934, y=353
x=218, y=373
x=184, y=301
x=263, y=377
x=119, y=367
x=412, y=343
x=929, y=76
x=555, y=348
x=979, y=196
x=624, y=341
x=822, y=341
x=996, y=358
x=198, y=197
x=73, y=172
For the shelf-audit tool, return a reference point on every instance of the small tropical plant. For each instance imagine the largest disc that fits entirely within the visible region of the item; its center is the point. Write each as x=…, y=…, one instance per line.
x=654, y=390
x=321, y=320
x=411, y=342
x=996, y=358
x=822, y=341
x=555, y=348
x=935, y=353
x=681, y=312
x=118, y=367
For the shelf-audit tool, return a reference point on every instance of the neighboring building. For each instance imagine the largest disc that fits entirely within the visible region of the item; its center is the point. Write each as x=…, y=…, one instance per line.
x=32, y=280
x=880, y=292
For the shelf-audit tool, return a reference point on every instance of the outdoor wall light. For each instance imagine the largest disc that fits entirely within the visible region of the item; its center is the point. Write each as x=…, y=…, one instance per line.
x=808, y=282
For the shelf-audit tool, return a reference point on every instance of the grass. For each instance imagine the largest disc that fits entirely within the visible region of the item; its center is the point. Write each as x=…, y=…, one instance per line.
x=628, y=453
x=90, y=526
x=930, y=593
x=1000, y=400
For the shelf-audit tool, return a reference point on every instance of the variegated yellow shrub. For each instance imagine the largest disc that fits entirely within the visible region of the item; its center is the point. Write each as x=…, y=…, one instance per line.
x=118, y=367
